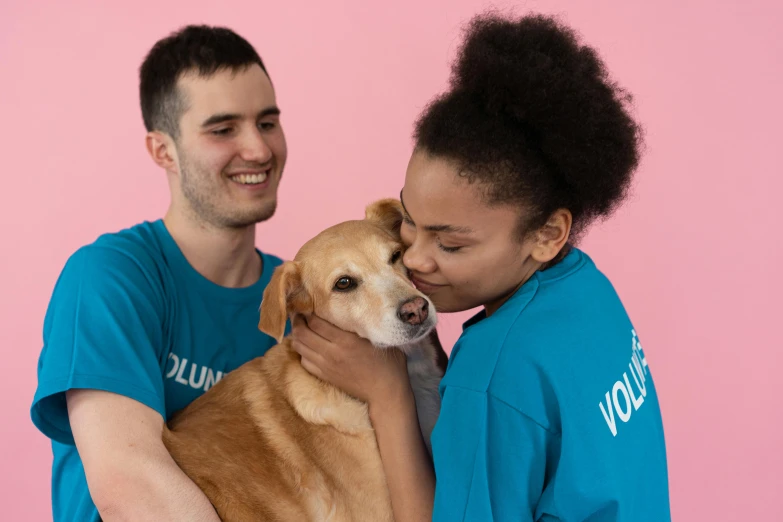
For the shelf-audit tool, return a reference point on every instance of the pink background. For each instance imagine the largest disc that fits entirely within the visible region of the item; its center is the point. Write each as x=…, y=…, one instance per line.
x=695, y=253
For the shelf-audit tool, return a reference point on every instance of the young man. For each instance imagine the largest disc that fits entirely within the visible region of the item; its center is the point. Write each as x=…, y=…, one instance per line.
x=143, y=321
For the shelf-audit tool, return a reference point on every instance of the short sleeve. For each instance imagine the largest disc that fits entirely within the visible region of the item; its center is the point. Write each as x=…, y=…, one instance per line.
x=103, y=329
x=490, y=460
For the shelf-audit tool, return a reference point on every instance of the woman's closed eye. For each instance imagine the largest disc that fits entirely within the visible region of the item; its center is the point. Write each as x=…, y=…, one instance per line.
x=406, y=220
x=448, y=249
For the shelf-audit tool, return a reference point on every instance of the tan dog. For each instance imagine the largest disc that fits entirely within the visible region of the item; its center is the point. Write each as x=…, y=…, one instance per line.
x=270, y=441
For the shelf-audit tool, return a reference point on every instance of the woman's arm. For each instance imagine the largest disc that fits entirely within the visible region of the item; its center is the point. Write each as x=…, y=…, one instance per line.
x=406, y=462
x=379, y=378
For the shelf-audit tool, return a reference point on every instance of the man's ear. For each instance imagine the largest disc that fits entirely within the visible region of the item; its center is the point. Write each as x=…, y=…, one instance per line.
x=161, y=149
x=283, y=296
x=386, y=213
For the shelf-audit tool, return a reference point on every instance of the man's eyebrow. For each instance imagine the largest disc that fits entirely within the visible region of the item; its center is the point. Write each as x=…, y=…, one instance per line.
x=449, y=229
x=269, y=111
x=219, y=118
x=226, y=116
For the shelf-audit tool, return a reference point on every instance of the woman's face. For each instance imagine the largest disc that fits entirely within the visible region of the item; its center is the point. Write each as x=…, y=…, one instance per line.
x=461, y=252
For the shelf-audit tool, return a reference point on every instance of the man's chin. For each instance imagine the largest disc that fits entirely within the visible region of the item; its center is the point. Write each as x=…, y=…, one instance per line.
x=253, y=218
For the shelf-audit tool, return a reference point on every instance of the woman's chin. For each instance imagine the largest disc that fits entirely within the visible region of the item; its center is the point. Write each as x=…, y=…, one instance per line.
x=446, y=306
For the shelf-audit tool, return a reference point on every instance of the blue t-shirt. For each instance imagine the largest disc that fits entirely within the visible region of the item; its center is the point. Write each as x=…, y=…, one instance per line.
x=549, y=410
x=130, y=315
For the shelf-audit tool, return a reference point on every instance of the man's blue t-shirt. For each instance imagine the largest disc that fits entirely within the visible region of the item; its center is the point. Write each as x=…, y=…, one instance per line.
x=130, y=315
x=549, y=410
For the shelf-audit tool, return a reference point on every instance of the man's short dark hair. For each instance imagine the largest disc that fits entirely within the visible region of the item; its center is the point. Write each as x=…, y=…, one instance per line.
x=197, y=48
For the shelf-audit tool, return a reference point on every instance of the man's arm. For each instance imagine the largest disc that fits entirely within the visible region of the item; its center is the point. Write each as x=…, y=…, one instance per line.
x=130, y=473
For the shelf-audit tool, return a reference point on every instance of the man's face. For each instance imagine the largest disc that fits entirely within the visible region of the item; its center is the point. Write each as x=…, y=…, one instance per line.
x=231, y=148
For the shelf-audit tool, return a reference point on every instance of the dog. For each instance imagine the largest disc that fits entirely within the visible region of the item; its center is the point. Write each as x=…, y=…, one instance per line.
x=270, y=441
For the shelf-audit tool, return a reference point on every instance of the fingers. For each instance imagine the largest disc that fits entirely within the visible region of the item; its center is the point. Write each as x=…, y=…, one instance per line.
x=311, y=361
x=310, y=367
x=324, y=328
x=299, y=324
x=303, y=332
x=306, y=352
x=313, y=329
x=315, y=351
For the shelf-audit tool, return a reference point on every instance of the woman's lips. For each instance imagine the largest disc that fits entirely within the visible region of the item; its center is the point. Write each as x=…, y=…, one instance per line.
x=424, y=286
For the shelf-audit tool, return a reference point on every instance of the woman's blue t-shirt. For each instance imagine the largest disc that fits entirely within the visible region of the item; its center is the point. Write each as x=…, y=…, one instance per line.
x=549, y=410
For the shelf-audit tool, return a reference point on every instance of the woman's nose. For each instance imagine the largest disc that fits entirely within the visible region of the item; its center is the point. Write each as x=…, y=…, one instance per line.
x=416, y=260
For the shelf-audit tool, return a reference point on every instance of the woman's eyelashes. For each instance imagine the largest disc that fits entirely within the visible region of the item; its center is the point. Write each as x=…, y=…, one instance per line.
x=406, y=219
x=448, y=249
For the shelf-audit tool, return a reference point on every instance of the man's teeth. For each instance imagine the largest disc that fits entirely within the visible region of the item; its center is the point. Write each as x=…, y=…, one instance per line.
x=250, y=179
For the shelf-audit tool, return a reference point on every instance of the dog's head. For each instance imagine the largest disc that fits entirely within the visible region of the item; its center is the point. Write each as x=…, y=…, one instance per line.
x=352, y=276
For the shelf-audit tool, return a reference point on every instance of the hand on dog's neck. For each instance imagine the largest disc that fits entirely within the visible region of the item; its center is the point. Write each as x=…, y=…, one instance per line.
x=318, y=402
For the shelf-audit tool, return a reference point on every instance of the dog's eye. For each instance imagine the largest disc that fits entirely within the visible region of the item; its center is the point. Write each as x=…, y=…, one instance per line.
x=395, y=256
x=344, y=283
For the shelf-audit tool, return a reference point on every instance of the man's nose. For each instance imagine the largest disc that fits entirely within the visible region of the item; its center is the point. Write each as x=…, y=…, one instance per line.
x=255, y=149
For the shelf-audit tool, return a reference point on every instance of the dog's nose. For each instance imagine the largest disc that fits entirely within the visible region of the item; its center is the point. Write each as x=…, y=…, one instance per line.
x=413, y=311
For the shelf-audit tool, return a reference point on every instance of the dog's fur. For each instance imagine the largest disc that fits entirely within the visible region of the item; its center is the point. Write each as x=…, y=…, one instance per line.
x=270, y=441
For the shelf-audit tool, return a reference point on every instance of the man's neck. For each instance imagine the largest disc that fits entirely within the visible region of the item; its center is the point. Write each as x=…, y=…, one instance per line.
x=227, y=257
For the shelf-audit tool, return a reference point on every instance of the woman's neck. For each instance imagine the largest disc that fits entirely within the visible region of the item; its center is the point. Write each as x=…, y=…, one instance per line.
x=532, y=267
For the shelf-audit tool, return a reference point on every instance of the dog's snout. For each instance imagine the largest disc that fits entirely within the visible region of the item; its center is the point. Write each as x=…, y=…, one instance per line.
x=413, y=311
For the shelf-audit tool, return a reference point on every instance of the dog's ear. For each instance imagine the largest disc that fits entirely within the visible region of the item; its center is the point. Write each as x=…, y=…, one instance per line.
x=386, y=213
x=283, y=296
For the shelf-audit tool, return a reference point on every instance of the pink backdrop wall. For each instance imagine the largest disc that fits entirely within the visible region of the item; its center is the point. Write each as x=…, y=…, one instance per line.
x=695, y=253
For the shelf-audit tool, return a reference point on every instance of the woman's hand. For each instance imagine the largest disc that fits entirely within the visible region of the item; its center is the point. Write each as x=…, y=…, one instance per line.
x=349, y=362
x=379, y=378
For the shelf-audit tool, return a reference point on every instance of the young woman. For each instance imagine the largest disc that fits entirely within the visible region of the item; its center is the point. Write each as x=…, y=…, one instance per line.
x=549, y=410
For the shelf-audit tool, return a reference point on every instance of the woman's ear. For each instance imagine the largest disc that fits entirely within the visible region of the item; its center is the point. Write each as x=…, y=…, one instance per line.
x=553, y=236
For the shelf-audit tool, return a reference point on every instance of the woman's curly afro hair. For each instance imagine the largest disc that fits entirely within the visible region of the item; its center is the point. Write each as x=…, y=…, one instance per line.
x=532, y=116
